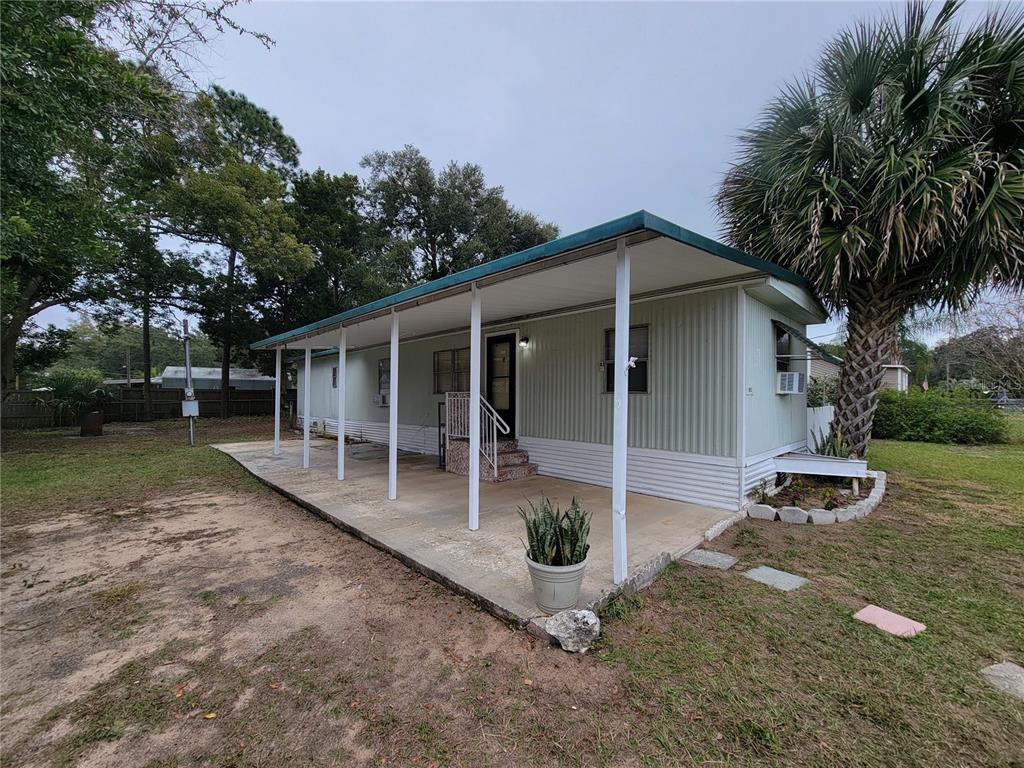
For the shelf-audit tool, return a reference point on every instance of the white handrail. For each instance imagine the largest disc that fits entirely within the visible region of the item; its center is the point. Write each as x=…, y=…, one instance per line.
x=491, y=425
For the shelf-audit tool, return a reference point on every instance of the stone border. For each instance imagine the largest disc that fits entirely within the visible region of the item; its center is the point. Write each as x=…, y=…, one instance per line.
x=796, y=515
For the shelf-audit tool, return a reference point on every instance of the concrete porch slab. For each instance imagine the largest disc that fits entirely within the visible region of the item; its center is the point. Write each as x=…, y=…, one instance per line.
x=426, y=527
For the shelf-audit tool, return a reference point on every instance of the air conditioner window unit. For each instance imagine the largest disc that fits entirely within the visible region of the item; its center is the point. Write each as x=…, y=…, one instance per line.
x=790, y=383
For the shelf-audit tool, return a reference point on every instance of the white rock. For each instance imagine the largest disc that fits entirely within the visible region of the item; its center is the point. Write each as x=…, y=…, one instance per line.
x=845, y=514
x=822, y=516
x=761, y=512
x=793, y=515
x=574, y=630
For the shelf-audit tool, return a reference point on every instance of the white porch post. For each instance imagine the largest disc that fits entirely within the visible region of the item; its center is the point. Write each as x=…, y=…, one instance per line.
x=342, y=354
x=474, y=411
x=621, y=380
x=393, y=413
x=306, y=386
x=277, y=403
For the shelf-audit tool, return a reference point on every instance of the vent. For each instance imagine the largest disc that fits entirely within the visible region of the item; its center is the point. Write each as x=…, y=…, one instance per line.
x=790, y=383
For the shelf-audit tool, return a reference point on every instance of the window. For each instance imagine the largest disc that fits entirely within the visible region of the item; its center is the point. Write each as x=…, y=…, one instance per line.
x=334, y=377
x=783, y=348
x=639, y=336
x=384, y=375
x=451, y=370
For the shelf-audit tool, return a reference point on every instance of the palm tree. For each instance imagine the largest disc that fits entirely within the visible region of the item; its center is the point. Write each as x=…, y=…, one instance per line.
x=891, y=177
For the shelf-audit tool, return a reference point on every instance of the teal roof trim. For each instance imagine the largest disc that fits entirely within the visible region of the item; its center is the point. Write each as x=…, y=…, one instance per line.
x=634, y=222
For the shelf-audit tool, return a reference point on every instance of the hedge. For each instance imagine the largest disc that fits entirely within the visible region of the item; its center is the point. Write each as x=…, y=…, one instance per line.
x=937, y=417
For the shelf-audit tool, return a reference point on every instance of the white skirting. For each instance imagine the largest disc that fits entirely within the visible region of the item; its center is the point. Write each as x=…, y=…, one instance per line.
x=413, y=438
x=707, y=480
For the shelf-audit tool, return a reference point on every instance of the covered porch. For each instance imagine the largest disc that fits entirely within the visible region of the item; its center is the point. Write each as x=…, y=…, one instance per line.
x=425, y=526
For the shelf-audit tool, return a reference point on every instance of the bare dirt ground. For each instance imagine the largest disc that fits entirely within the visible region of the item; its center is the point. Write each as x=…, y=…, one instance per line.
x=233, y=628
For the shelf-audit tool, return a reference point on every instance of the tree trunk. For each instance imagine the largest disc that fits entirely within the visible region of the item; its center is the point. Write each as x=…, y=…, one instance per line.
x=147, y=358
x=225, y=364
x=872, y=323
x=11, y=334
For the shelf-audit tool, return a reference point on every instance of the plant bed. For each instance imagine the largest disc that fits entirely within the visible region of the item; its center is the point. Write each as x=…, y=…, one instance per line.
x=818, y=500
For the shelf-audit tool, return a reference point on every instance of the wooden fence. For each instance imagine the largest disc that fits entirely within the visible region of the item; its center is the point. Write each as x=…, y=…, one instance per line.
x=27, y=409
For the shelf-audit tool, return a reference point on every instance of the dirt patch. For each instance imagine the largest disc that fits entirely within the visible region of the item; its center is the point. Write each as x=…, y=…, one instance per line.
x=237, y=629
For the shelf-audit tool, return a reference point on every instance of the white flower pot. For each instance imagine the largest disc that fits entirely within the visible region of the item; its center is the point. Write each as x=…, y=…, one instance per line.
x=556, y=587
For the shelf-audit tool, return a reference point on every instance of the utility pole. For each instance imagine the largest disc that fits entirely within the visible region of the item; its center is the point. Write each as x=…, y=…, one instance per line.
x=189, y=406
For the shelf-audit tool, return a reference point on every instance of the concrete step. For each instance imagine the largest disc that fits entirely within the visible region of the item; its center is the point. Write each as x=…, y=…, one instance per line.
x=516, y=472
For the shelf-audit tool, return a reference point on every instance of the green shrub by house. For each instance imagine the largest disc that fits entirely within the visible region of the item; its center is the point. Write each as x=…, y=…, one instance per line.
x=938, y=417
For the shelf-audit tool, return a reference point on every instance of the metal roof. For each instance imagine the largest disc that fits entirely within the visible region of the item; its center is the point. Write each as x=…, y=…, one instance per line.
x=611, y=230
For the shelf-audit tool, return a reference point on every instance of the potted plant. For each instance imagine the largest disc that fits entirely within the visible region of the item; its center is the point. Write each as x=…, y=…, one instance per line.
x=556, y=553
x=79, y=395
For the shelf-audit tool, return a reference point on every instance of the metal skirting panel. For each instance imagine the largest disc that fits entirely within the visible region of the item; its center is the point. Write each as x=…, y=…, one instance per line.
x=758, y=472
x=698, y=479
x=414, y=439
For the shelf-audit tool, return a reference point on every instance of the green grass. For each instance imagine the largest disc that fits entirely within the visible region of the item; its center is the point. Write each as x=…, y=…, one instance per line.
x=725, y=671
x=44, y=470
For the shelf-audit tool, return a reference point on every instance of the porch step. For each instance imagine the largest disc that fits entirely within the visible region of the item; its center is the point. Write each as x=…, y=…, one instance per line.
x=512, y=457
x=513, y=462
x=515, y=472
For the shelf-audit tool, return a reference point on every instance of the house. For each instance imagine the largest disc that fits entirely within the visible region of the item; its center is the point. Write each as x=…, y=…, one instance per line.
x=825, y=366
x=173, y=377
x=896, y=376
x=635, y=355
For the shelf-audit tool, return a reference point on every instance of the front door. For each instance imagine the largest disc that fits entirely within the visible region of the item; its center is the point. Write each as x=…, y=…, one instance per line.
x=501, y=377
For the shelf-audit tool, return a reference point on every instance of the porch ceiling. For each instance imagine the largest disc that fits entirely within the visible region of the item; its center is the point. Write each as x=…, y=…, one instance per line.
x=658, y=265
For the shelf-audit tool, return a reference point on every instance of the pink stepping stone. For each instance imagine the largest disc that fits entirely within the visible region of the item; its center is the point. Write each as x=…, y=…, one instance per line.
x=890, y=622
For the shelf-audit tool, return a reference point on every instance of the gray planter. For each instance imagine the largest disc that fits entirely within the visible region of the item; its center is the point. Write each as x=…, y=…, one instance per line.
x=556, y=587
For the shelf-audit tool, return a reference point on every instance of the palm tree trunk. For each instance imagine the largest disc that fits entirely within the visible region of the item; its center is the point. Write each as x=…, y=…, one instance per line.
x=872, y=323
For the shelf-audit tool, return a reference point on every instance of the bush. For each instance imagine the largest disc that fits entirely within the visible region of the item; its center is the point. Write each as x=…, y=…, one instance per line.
x=935, y=417
x=76, y=391
x=822, y=391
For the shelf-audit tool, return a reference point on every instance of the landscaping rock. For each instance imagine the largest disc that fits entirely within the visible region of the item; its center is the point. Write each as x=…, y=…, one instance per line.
x=822, y=516
x=845, y=514
x=1007, y=677
x=793, y=515
x=574, y=630
x=762, y=512
x=861, y=509
x=710, y=559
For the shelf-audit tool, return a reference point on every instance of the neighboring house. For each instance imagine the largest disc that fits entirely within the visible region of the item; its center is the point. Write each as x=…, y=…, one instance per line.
x=823, y=366
x=173, y=377
x=896, y=376
x=715, y=336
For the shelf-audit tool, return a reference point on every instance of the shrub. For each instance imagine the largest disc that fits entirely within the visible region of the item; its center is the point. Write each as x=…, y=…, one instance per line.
x=935, y=417
x=822, y=391
x=554, y=537
x=76, y=391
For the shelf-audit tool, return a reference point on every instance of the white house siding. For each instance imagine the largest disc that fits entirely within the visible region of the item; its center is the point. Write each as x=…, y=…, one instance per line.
x=895, y=377
x=774, y=422
x=690, y=406
x=682, y=432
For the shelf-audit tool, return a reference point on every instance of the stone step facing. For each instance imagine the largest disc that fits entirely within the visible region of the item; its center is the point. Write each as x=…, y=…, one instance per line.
x=513, y=462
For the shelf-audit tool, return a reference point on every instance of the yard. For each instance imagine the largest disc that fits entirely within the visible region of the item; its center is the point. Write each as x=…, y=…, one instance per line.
x=162, y=608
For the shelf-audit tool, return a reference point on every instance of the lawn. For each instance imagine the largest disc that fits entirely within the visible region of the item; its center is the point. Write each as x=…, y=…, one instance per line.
x=163, y=609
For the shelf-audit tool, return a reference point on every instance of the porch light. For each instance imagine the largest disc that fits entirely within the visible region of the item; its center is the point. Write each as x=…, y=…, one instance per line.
x=524, y=342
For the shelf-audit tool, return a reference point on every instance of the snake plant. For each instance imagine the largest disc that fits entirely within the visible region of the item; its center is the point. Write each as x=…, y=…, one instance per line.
x=554, y=537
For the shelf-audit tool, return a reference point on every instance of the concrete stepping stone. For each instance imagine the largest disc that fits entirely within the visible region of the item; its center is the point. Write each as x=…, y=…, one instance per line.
x=773, y=577
x=1007, y=677
x=710, y=559
x=890, y=622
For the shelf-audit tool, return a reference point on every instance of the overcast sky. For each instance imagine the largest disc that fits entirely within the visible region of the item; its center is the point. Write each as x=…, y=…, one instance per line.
x=583, y=112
